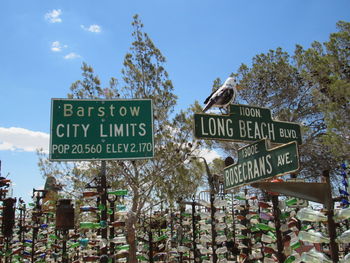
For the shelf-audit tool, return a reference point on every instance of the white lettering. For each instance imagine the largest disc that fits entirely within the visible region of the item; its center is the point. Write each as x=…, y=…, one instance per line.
x=67, y=110
x=123, y=111
x=134, y=111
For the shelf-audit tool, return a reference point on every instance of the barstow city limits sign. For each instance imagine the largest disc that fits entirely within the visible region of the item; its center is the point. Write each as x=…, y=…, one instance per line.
x=256, y=162
x=101, y=129
x=245, y=124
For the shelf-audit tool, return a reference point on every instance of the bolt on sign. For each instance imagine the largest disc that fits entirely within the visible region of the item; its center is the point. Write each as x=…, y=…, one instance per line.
x=256, y=162
x=101, y=129
x=245, y=124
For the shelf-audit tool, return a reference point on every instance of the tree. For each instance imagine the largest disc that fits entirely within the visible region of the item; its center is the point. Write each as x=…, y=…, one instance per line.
x=327, y=68
x=144, y=76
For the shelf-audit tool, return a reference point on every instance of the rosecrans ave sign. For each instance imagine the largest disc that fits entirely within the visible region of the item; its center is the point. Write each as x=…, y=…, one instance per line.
x=245, y=124
x=256, y=162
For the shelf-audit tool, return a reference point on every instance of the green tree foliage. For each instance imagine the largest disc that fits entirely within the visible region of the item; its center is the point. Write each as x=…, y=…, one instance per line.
x=144, y=76
x=90, y=86
x=310, y=87
x=327, y=69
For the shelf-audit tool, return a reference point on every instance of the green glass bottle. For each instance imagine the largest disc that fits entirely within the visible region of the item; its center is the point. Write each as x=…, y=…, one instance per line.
x=101, y=207
x=295, y=245
x=264, y=227
x=89, y=225
x=284, y=215
x=186, y=214
x=121, y=207
x=292, y=201
x=123, y=247
x=74, y=245
x=238, y=197
x=289, y=259
x=53, y=237
x=142, y=258
x=162, y=237
x=118, y=192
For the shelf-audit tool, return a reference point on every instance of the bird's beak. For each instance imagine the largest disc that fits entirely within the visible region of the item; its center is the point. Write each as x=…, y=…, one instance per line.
x=238, y=87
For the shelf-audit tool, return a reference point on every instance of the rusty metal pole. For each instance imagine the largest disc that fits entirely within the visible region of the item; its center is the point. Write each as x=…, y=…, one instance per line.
x=276, y=214
x=194, y=236
x=331, y=224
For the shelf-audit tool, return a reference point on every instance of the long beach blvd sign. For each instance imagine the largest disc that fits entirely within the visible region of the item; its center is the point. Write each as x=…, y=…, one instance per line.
x=256, y=162
x=245, y=124
x=101, y=129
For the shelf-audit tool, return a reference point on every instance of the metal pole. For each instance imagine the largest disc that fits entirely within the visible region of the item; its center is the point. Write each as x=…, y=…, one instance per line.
x=104, y=231
x=212, y=208
x=180, y=230
x=111, y=231
x=7, y=247
x=331, y=224
x=195, y=254
x=35, y=231
x=246, y=232
x=213, y=231
x=276, y=215
x=64, y=246
x=233, y=220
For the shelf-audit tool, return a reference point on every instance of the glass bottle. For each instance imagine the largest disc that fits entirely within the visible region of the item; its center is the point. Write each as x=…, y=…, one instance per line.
x=344, y=238
x=90, y=194
x=88, y=209
x=89, y=225
x=265, y=227
x=342, y=214
x=118, y=192
x=307, y=214
x=313, y=237
x=314, y=256
x=221, y=250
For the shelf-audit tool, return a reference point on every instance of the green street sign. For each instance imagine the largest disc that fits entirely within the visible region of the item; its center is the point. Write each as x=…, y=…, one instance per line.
x=101, y=129
x=256, y=162
x=245, y=124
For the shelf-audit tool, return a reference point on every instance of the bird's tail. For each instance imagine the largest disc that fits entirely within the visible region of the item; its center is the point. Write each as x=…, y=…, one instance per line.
x=208, y=106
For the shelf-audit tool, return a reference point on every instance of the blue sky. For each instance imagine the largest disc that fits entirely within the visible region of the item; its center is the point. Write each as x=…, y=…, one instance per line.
x=43, y=44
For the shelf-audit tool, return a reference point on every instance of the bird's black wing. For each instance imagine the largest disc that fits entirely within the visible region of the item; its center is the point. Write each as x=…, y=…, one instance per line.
x=207, y=99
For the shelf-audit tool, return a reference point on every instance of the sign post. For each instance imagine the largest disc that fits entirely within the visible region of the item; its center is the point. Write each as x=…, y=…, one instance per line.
x=245, y=124
x=101, y=129
x=256, y=162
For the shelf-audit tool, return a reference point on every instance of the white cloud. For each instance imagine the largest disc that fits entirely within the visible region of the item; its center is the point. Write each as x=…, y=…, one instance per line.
x=71, y=55
x=20, y=139
x=54, y=16
x=56, y=46
x=209, y=155
x=92, y=28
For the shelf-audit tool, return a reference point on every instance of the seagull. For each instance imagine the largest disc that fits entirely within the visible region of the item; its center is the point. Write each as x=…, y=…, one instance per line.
x=223, y=96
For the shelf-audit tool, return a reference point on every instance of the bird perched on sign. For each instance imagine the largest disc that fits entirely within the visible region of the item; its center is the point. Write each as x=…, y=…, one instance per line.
x=223, y=96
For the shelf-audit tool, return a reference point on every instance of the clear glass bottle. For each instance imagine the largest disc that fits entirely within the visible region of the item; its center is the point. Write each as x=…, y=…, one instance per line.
x=310, y=215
